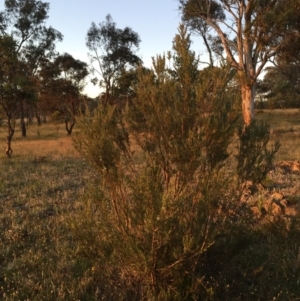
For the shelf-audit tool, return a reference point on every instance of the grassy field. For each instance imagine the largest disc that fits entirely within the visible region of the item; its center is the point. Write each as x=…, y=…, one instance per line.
x=284, y=125
x=42, y=187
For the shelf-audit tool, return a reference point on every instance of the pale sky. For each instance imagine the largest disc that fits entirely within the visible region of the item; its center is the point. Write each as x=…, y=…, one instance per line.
x=156, y=22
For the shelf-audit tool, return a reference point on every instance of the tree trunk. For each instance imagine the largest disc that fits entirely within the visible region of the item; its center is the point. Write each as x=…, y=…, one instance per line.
x=248, y=95
x=69, y=128
x=8, y=150
x=11, y=131
x=22, y=120
x=38, y=118
x=208, y=49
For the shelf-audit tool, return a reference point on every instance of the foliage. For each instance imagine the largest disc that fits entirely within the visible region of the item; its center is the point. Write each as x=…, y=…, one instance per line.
x=254, y=159
x=199, y=26
x=160, y=161
x=41, y=258
x=281, y=83
x=112, y=50
x=126, y=82
x=23, y=21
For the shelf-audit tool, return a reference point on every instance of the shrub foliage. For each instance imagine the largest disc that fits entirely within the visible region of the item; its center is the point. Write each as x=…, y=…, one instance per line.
x=157, y=216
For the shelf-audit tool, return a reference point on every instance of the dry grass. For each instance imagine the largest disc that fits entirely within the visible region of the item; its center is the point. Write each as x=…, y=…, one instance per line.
x=284, y=126
x=61, y=146
x=40, y=141
x=281, y=121
x=41, y=188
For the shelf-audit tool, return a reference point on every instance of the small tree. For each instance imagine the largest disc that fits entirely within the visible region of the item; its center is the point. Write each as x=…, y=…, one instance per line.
x=255, y=158
x=57, y=118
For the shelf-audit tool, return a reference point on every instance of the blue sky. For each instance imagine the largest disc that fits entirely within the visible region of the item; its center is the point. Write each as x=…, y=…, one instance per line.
x=156, y=22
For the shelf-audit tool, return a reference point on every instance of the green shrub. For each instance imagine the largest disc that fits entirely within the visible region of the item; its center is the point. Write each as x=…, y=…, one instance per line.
x=154, y=214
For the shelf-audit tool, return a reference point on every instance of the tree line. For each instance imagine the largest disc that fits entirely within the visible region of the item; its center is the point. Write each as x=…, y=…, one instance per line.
x=37, y=81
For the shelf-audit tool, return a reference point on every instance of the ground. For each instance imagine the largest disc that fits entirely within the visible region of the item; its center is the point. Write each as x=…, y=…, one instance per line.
x=43, y=185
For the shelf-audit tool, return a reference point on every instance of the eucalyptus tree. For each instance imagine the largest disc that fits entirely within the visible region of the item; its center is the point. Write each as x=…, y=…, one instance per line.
x=61, y=83
x=14, y=85
x=25, y=22
x=126, y=82
x=251, y=33
x=112, y=50
x=8, y=66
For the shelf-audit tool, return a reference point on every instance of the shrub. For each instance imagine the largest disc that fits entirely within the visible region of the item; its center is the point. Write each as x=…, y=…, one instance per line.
x=155, y=212
x=163, y=221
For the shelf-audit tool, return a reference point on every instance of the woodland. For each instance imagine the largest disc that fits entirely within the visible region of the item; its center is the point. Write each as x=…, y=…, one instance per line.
x=178, y=182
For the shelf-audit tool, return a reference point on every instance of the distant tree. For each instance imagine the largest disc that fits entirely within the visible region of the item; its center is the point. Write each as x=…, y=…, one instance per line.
x=73, y=73
x=11, y=78
x=24, y=21
x=61, y=84
x=282, y=79
x=251, y=33
x=112, y=50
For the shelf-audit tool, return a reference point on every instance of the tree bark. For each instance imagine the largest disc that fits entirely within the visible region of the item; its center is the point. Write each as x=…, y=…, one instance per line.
x=248, y=95
x=208, y=49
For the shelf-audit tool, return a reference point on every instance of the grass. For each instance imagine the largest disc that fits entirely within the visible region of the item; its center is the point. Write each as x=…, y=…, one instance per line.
x=41, y=192
x=40, y=141
x=285, y=126
x=40, y=189
x=281, y=119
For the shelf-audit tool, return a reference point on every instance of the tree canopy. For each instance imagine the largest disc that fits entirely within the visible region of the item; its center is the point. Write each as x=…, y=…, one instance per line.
x=111, y=51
